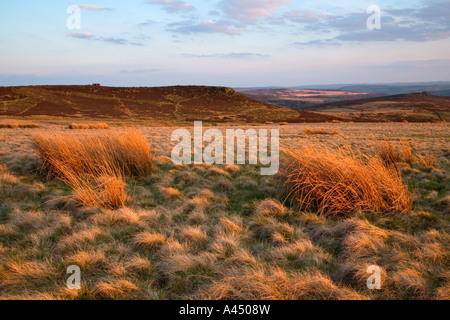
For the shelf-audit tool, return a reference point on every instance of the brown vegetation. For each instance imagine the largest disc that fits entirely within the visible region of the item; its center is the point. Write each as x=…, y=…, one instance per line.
x=166, y=104
x=17, y=124
x=225, y=231
x=338, y=182
x=391, y=153
x=94, y=165
x=87, y=126
x=319, y=131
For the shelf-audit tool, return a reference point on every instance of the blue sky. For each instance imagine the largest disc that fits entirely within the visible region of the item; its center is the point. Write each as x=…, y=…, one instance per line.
x=238, y=43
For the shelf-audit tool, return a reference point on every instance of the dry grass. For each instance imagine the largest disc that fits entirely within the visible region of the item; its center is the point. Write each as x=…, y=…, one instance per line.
x=392, y=153
x=124, y=150
x=95, y=165
x=428, y=159
x=320, y=131
x=88, y=126
x=388, y=152
x=188, y=235
x=17, y=124
x=407, y=151
x=338, y=182
x=276, y=284
x=104, y=187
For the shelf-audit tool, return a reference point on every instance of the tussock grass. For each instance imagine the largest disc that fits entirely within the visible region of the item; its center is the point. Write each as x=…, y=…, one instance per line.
x=392, y=153
x=339, y=182
x=428, y=159
x=320, y=131
x=203, y=239
x=388, y=152
x=407, y=151
x=271, y=207
x=88, y=126
x=94, y=165
x=124, y=150
x=18, y=124
x=149, y=240
x=276, y=284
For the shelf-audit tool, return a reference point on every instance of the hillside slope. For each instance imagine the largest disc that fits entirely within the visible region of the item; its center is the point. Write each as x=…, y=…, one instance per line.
x=414, y=107
x=303, y=98
x=179, y=103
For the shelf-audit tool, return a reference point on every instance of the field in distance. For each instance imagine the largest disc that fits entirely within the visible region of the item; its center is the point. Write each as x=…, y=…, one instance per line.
x=360, y=107
x=413, y=107
x=304, y=98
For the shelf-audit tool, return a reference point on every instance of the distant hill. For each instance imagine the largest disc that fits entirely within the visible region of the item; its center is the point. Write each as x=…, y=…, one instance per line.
x=303, y=98
x=435, y=88
x=414, y=107
x=438, y=90
x=178, y=103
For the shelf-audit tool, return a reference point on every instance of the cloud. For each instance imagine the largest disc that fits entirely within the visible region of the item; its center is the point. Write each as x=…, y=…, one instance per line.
x=172, y=6
x=231, y=55
x=90, y=36
x=81, y=35
x=233, y=17
x=422, y=24
x=209, y=26
x=91, y=7
x=251, y=10
x=302, y=16
x=146, y=23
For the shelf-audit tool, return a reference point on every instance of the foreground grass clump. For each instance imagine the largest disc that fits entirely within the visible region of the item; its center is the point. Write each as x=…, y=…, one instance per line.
x=338, y=182
x=17, y=124
x=392, y=153
x=87, y=126
x=125, y=150
x=94, y=165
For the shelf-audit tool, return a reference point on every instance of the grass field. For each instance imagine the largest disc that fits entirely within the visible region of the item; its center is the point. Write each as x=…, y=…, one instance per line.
x=225, y=231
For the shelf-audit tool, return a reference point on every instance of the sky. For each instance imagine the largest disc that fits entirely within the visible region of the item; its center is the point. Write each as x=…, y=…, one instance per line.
x=236, y=43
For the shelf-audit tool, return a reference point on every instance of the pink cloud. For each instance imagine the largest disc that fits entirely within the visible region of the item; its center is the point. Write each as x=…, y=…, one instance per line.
x=92, y=7
x=81, y=35
x=252, y=9
x=172, y=5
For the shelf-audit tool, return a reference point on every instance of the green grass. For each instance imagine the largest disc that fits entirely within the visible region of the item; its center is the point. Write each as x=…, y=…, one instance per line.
x=257, y=244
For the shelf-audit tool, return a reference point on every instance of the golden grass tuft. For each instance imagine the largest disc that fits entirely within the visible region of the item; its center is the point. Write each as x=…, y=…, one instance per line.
x=18, y=124
x=407, y=151
x=320, y=131
x=428, y=160
x=170, y=193
x=124, y=150
x=115, y=289
x=103, y=188
x=276, y=284
x=19, y=274
x=149, y=240
x=271, y=207
x=94, y=165
x=194, y=234
x=338, y=182
x=388, y=152
x=88, y=126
